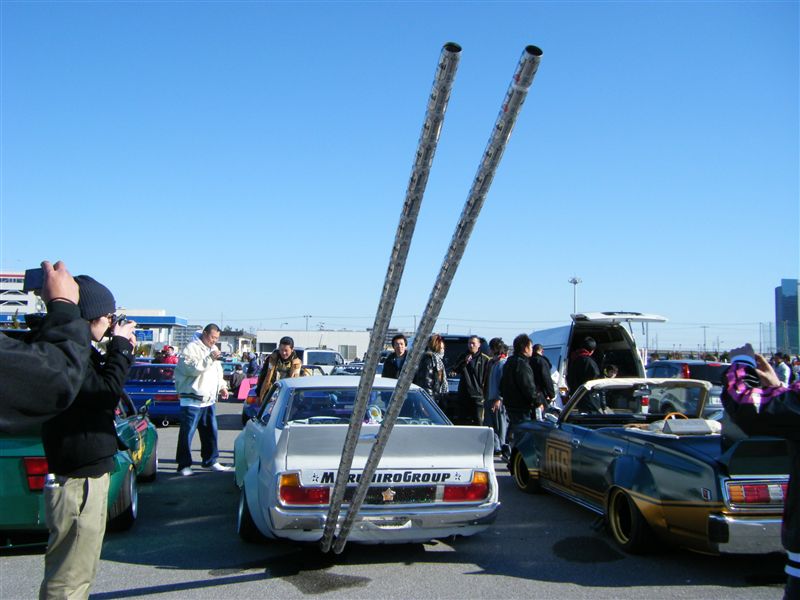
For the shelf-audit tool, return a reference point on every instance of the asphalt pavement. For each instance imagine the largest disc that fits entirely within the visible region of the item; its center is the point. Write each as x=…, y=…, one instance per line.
x=184, y=545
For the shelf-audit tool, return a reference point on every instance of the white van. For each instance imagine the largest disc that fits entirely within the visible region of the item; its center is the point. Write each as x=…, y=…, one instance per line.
x=325, y=358
x=615, y=342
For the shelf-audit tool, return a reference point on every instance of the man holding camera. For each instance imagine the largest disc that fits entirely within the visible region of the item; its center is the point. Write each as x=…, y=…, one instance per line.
x=80, y=444
x=199, y=381
x=41, y=374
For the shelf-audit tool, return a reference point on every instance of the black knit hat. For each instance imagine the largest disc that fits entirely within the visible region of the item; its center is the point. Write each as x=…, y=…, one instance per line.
x=96, y=299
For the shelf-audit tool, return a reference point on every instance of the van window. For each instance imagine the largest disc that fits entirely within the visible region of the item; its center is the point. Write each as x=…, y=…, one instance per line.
x=554, y=356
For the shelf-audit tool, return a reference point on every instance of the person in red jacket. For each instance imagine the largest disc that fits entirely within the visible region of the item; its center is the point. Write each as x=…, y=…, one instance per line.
x=169, y=358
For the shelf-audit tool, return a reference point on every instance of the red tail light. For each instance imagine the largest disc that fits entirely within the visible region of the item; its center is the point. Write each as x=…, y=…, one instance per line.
x=685, y=374
x=166, y=397
x=291, y=492
x=757, y=492
x=36, y=471
x=478, y=489
x=645, y=400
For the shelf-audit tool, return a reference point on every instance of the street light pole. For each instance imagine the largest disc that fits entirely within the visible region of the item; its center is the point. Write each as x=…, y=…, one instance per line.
x=575, y=281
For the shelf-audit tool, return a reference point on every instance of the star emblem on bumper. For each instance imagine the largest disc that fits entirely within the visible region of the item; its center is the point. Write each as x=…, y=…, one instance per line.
x=388, y=494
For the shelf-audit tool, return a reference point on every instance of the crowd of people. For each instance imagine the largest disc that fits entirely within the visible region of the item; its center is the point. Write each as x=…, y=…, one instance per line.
x=56, y=379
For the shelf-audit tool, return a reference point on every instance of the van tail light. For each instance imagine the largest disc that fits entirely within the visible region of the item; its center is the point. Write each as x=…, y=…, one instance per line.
x=166, y=397
x=36, y=472
x=290, y=491
x=477, y=489
x=645, y=405
x=685, y=374
x=756, y=492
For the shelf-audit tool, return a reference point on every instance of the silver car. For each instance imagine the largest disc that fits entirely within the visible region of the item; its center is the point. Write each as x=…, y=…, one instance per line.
x=434, y=480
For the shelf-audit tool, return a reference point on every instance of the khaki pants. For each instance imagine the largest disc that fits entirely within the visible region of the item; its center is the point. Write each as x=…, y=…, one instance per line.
x=75, y=510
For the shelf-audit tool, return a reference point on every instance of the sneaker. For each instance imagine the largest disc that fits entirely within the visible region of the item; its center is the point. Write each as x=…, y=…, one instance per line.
x=217, y=466
x=185, y=472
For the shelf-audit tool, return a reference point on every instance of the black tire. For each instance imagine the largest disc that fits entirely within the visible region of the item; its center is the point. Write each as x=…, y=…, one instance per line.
x=522, y=476
x=627, y=525
x=150, y=471
x=245, y=526
x=126, y=506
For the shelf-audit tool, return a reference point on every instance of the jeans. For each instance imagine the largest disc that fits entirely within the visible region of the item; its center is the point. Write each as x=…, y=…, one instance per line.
x=204, y=420
x=497, y=421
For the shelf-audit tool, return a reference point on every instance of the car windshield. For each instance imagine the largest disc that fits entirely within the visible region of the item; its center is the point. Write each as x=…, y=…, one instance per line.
x=151, y=373
x=335, y=405
x=643, y=399
x=320, y=358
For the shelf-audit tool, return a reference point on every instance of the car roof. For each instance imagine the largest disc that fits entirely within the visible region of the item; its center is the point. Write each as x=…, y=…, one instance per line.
x=337, y=381
x=685, y=361
x=616, y=382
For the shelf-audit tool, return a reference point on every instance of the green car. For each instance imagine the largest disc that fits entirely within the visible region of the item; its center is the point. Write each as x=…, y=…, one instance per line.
x=23, y=468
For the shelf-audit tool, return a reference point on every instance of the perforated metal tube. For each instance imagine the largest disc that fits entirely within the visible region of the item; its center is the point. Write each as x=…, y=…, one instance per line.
x=428, y=140
x=515, y=97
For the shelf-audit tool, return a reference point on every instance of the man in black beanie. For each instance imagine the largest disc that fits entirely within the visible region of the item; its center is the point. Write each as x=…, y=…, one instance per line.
x=80, y=444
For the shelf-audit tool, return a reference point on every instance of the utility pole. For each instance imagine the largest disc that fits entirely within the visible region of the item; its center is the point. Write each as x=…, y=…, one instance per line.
x=705, y=329
x=307, y=317
x=575, y=281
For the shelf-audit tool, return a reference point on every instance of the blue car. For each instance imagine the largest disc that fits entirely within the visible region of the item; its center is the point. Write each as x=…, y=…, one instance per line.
x=156, y=383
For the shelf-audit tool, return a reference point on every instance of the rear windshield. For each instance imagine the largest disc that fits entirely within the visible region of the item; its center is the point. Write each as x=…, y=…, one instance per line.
x=151, y=373
x=320, y=358
x=334, y=406
x=709, y=372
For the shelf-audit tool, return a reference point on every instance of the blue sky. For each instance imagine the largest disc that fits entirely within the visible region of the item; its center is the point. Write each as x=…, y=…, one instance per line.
x=246, y=162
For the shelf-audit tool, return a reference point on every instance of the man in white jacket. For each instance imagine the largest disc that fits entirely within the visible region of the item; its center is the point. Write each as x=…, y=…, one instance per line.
x=199, y=381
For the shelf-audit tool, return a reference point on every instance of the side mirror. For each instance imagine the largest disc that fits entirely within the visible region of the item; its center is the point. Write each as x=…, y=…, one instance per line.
x=551, y=418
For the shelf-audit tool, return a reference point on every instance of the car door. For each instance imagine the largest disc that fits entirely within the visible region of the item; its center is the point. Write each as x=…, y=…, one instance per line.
x=255, y=429
x=562, y=458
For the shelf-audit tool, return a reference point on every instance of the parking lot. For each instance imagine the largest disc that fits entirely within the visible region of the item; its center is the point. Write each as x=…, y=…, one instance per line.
x=184, y=545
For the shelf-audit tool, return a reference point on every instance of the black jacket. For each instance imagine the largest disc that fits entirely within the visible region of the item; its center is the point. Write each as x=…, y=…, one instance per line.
x=82, y=440
x=779, y=415
x=580, y=369
x=541, y=376
x=428, y=377
x=390, y=368
x=517, y=385
x=41, y=375
x=473, y=376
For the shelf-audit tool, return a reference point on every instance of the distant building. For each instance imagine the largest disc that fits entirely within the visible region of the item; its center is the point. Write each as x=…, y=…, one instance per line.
x=350, y=344
x=14, y=303
x=787, y=318
x=240, y=341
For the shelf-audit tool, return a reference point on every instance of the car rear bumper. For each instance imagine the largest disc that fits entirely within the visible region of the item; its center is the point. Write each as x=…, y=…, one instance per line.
x=401, y=525
x=745, y=535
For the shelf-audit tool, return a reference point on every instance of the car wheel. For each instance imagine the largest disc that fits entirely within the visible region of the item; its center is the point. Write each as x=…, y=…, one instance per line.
x=245, y=526
x=627, y=525
x=150, y=471
x=126, y=506
x=522, y=476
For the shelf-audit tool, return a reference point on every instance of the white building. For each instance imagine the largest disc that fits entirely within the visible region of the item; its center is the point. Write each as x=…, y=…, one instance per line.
x=350, y=344
x=13, y=301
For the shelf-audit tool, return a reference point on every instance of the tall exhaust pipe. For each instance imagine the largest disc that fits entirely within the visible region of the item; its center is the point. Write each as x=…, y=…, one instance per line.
x=515, y=97
x=428, y=140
